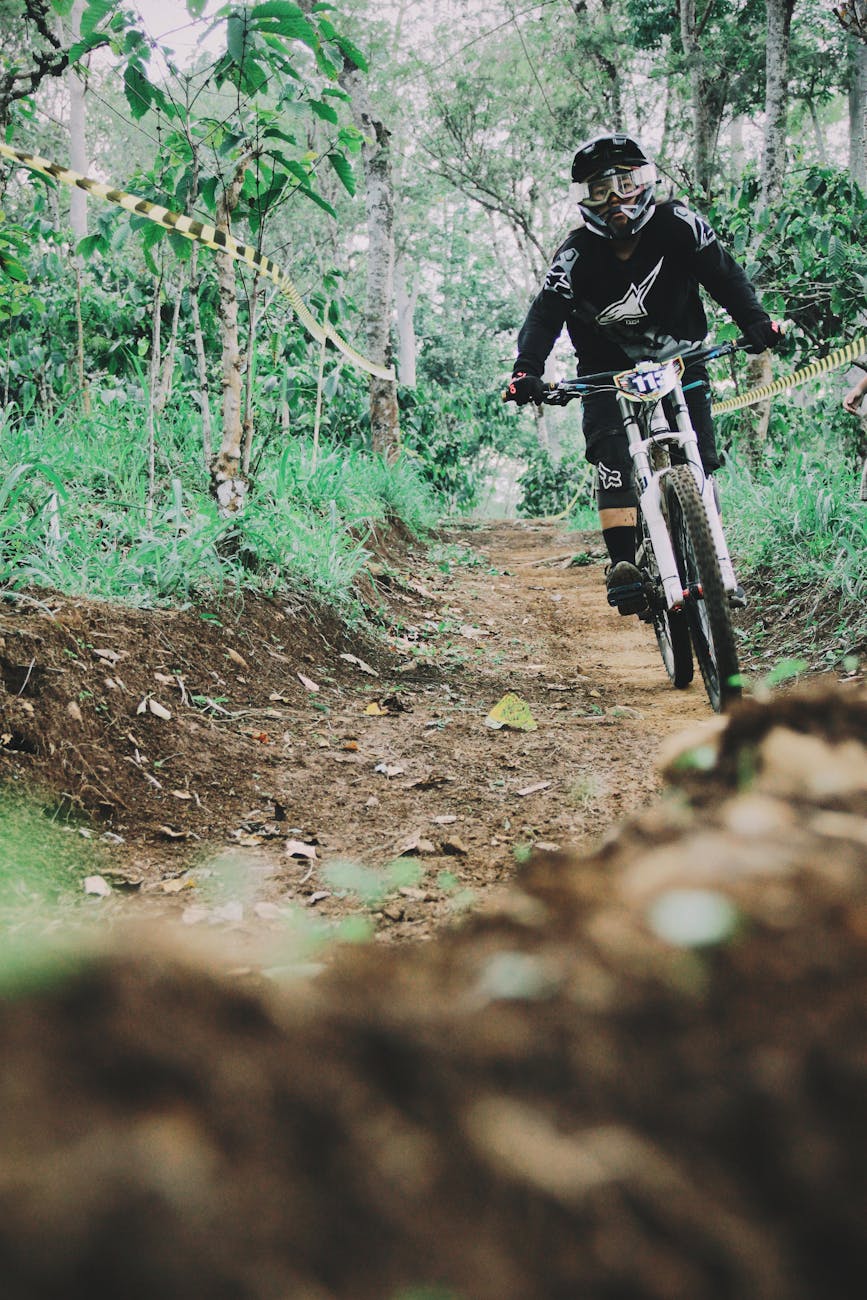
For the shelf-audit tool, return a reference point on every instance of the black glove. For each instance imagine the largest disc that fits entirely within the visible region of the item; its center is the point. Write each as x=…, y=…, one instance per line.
x=525, y=388
x=762, y=334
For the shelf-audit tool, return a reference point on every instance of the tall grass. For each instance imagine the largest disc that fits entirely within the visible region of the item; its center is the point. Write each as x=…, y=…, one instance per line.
x=799, y=521
x=73, y=513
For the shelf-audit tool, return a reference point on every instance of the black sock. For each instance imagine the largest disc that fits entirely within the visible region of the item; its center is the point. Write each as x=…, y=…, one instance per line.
x=620, y=543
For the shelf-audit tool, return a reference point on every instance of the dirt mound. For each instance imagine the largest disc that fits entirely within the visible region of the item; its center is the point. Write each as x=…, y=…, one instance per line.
x=644, y=1076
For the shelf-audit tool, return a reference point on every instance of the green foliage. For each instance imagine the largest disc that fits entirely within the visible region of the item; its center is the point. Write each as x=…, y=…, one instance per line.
x=549, y=488
x=805, y=254
x=798, y=517
x=74, y=513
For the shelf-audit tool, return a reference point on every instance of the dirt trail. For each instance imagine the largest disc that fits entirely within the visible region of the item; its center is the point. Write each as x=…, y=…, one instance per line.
x=292, y=748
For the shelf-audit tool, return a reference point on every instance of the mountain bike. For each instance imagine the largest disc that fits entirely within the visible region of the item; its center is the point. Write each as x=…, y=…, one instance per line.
x=687, y=579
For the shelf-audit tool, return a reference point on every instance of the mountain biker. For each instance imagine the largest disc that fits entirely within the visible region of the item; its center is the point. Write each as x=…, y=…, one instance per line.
x=625, y=283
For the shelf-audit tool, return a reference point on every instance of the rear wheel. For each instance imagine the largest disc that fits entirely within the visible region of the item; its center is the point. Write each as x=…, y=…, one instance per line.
x=707, y=609
x=672, y=629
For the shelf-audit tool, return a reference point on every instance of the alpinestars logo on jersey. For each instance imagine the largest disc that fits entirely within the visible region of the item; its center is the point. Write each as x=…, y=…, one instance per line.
x=629, y=309
x=559, y=277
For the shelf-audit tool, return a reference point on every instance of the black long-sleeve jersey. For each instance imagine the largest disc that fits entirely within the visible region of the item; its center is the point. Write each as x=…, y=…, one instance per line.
x=646, y=308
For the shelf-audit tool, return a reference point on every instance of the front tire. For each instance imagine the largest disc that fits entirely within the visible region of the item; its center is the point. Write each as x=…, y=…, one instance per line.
x=707, y=610
x=671, y=628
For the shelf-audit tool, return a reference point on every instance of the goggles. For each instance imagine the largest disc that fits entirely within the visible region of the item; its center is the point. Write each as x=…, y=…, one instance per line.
x=622, y=183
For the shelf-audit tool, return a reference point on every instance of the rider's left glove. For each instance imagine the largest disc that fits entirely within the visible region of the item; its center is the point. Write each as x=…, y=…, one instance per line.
x=763, y=334
x=524, y=388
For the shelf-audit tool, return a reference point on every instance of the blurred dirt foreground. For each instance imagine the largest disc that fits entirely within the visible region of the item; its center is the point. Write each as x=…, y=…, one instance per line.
x=643, y=1075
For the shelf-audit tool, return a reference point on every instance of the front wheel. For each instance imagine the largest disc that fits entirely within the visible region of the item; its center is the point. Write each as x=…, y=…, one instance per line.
x=671, y=627
x=707, y=609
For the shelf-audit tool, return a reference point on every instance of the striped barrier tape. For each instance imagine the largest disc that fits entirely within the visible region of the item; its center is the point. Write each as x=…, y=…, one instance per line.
x=840, y=357
x=212, y=237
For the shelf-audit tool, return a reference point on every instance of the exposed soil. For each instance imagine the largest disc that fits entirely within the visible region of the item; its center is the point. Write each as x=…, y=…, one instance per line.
x=386, y=757
x=634, y=1071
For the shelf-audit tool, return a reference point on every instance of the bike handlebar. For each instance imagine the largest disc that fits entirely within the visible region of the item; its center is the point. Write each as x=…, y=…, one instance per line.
x=567, y=389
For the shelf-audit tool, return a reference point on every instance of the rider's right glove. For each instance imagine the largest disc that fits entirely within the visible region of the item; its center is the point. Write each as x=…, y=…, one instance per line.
x=763, y=334
x=524, y=388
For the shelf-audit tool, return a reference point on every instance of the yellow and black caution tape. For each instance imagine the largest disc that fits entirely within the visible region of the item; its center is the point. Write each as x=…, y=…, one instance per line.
x=212, y=237
x=840, y=357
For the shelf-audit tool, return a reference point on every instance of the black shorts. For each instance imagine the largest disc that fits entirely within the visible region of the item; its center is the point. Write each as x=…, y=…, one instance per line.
x=607, y=447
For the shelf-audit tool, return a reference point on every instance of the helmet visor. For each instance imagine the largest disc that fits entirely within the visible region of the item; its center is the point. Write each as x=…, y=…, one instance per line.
x=621, y=182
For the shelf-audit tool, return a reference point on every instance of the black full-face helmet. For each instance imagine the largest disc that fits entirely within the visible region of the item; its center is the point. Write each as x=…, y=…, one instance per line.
x=613, y=174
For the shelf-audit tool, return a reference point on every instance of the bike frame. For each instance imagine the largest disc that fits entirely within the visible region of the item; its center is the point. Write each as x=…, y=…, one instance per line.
x=640, y=392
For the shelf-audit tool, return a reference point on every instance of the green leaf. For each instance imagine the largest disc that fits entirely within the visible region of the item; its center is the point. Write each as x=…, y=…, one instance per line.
x=80, y=48
x=343, y=167
x=93, y=15
x=195, y=8
x=138, y=90
x=236, y=38
x=282, y=18
x=323, y=111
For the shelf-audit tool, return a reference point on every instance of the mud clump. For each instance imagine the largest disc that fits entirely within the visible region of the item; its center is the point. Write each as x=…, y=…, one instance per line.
x=644, y=1077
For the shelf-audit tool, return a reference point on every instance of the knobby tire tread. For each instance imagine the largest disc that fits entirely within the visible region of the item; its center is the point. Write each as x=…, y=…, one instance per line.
x=690, y=531
x=672, y=630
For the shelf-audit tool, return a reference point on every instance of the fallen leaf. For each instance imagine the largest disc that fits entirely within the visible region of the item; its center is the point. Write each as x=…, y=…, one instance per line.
x=261, y=736
x=175, y=886
x=453, y=846
x=181, y=794
x=298, y=849
x=159, y=710
x=359, y=663
x=142, y=706
x=473, y=632
x=277, y=698
x=307, y=683
x=388, y=770
x=97, y=885
x=74, y=711
x=318, y=897
x=165, y=680
x=351, y=745
x=416, y=845
x=110, y=656
x=375, y=710
x=546, y=846
x=246, y=838
x=236, y=658
x=511, y=711
x=171, y=834
x=533, y=789
x=444, y=820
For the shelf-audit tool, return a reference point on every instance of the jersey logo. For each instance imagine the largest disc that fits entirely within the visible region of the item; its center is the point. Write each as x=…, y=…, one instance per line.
x=629, y=309
x=704, y=234
x=609, y=478
x=559, y=278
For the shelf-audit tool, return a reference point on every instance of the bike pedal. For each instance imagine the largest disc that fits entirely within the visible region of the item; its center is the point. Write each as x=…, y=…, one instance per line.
x=628, y=599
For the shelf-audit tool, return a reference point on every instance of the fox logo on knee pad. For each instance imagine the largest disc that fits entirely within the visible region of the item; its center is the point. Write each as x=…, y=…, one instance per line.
x=609, y=478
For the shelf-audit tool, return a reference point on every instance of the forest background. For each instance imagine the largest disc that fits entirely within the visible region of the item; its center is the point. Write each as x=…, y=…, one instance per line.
x=171, y=429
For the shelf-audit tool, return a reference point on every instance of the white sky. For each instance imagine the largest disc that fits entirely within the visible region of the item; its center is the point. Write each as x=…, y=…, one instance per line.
x=169, y=22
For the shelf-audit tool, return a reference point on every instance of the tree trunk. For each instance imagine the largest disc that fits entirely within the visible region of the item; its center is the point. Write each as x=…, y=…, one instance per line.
x=405, y=302
x=168, y=364
x=858, y=112
x=226, y=482
x=708, y=87
x=379, y=200
x=779, y=22
x=78, y=159
x=754, y=430
x=201, y=359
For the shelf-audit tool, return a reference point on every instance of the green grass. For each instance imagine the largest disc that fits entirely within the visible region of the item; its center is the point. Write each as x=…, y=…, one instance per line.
x=798, y=520
x=74, y=513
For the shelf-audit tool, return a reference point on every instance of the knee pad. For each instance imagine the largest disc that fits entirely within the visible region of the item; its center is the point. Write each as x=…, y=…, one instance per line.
x=609, y=453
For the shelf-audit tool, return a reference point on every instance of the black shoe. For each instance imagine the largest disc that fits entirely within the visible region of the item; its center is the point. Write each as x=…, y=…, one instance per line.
x=738, y=598
x=625, y=588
